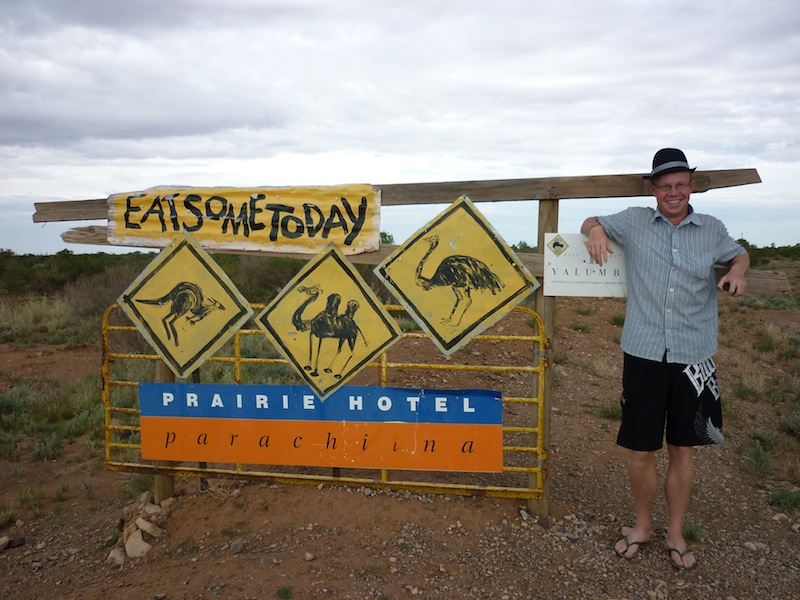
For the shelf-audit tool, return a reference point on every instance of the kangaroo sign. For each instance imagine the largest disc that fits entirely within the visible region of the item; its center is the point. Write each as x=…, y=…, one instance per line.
x=184, y=305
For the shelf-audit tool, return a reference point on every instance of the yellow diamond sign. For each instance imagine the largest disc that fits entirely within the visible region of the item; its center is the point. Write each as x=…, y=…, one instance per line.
x=456, y=276
x=185, y=305
x=328, y=323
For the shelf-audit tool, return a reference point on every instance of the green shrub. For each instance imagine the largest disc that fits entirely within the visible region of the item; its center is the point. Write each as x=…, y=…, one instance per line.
x=578, y=326
x=791, y=425
x=692, y=532
x=617, y=319
x=767, y=438
x=758, y=463
x=785, y=498
x=611, y=410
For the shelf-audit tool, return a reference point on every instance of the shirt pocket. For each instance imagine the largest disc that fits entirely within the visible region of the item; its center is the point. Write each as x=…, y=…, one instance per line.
x=699, y=264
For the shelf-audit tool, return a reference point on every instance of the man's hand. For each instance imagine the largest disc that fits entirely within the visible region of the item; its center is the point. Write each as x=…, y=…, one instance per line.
x=734, y=281
x=599, y=246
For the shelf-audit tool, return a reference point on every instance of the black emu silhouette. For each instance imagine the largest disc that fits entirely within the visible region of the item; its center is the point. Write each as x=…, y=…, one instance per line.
x=185, y=297
x=460, y=273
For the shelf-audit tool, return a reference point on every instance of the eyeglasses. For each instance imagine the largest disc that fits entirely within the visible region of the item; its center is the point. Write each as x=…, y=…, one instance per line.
x=679, y=187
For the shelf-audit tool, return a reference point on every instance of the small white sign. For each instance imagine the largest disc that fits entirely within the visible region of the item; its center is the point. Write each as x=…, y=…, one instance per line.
x=570, y=271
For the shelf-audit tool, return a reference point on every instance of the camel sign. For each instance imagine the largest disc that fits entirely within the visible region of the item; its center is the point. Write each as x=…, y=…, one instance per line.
x=292, y=219
x=184, y=305
x=328, y=323
x=456, y=276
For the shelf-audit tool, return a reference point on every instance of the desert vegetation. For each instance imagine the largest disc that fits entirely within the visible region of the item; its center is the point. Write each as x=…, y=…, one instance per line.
x=59, y=300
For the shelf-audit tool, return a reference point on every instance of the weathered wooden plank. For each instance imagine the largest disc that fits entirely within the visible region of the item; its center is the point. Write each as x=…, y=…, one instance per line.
x=551, y=188
x=96, y=235
x=70, y=210
x=543, y=188
x=765, y=283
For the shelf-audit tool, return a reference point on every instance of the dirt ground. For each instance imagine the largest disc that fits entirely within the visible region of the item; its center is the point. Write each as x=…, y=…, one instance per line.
x=263, y=540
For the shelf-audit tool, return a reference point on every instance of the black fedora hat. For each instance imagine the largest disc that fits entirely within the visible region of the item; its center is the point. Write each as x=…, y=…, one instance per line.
x=669, y=160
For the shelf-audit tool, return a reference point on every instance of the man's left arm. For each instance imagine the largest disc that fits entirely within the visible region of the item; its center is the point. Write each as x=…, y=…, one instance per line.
x=737, y=268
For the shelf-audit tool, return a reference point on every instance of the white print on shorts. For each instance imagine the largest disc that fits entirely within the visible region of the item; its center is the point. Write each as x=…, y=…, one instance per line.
x=702, y=375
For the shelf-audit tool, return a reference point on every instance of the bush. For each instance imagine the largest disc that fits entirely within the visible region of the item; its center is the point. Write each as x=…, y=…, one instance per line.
x=791, y=425
x=785, y=498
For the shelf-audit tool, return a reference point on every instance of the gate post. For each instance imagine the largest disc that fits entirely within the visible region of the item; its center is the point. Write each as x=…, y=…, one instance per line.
x=546, y=307
x=164, y=485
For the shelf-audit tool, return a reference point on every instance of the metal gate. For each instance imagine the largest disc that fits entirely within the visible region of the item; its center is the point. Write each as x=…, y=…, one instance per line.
x=512, y=364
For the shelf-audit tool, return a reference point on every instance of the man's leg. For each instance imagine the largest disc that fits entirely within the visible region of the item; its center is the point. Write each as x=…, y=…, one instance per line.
x=678, y=489
x=644, y=487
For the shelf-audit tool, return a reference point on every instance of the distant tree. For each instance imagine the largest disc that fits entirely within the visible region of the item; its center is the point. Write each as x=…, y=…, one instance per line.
x=524, y=246
x=387, y=238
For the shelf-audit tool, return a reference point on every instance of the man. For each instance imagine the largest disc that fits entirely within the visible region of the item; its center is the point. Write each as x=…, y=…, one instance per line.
x=668, y=340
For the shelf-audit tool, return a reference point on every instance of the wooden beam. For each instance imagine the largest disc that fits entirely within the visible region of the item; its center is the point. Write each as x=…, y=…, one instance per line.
x=70, y=210
x=551, y=188
x=489, y=190
x=546, y=307
x=767, y=283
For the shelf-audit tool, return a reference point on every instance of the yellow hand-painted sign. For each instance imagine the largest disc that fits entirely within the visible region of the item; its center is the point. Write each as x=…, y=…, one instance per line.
x=292, y=219
x=184, y=305
x=456, y=276
x=328, y=323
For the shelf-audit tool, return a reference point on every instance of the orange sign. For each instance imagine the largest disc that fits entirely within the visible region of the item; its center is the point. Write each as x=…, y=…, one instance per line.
x=361, y=426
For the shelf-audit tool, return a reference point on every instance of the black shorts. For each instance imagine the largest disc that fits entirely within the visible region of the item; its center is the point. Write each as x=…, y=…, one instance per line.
x=684, y=398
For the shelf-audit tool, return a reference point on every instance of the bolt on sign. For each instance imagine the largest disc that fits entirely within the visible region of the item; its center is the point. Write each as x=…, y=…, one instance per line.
x=184, y=305
x=363, y=427
x=289, y=219
x=570, y=271
x=456, y=276
x=328, y=323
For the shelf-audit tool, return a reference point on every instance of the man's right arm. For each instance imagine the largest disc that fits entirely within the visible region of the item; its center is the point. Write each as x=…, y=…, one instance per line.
x=598, y=245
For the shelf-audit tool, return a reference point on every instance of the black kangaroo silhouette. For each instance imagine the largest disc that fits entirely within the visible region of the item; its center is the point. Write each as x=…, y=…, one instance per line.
x=460, y=273
x=185, y=297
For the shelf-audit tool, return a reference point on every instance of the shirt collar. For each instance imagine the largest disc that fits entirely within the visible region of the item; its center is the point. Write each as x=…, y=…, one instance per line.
x=693, y=218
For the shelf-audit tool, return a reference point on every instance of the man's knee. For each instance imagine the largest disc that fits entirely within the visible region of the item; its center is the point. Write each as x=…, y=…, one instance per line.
x=642, y=460
x=680, y=455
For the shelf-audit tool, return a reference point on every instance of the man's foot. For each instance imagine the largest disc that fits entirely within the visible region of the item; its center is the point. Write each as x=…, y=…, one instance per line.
x=682, y=561
x=628, y=549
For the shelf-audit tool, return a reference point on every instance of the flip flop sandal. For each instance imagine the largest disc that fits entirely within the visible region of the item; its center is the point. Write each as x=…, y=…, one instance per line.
x=628, y=545
x=680, y=555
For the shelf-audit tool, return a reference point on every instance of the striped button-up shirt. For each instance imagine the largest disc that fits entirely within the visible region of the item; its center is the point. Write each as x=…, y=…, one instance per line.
x=672, y=293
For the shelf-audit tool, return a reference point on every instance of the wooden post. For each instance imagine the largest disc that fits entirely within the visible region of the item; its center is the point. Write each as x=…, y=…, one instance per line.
x=164, y=485
x=546, y=307
x=201, y=465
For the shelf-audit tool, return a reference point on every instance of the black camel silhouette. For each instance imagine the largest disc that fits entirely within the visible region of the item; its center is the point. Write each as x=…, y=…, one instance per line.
x=328, y=323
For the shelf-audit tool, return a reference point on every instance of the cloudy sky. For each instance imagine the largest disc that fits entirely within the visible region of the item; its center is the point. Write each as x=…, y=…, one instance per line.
x=100, y=97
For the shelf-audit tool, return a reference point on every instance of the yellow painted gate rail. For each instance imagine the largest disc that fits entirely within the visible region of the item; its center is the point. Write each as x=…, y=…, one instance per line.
x=514, y=364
